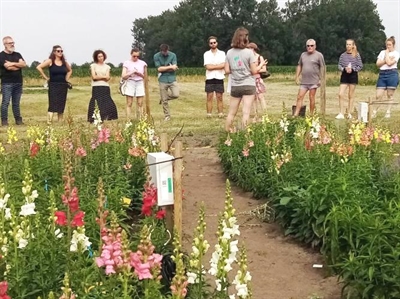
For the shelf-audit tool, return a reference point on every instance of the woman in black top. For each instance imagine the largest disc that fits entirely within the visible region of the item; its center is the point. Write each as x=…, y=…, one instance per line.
x=59, y=72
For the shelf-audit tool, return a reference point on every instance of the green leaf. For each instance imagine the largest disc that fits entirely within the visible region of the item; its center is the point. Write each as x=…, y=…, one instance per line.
x=285, y=200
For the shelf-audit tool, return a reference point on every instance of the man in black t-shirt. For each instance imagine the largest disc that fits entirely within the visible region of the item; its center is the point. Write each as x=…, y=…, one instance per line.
x=11, y=63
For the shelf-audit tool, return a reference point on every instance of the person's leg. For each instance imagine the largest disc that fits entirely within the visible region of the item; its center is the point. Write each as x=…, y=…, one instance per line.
x=233, y=108
x=209, y=104
x=311, y=96
x=390, y=97
x=140, y=110
x=220, y=103
x=16, y=101
x=352, y=88
x=6, y=92
x=174, y=91
x=50, y=117
x=342, y=90
x=378, y=97
x=164, y=99
x=246, y=109
x=129, y=101
x=300, y=96
x=60, y=116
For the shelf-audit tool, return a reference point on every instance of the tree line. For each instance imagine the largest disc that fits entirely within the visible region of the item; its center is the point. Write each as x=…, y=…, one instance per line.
x=280, y=33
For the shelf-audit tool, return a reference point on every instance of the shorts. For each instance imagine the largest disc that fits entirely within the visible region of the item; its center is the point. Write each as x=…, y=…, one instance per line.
x=240, y=91
x=349, y=78
x=260, y=86
x=309, y=86
x=214, y=85
x=134, y=88
x=388, y=79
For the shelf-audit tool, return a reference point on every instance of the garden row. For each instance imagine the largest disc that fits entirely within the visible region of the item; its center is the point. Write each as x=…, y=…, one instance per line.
x=79, y=219
x=336, y=188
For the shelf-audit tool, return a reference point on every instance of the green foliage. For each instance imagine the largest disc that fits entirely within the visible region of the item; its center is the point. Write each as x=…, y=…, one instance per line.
x=280, y=33
x=335, y=189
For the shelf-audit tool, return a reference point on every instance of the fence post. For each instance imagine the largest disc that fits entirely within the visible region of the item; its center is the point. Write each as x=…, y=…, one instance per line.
x=147, y=93
x=178, y=163
x=323, y=92
x=169, y=210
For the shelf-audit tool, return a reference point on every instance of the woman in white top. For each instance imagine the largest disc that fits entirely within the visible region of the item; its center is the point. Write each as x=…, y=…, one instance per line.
x=388, y=74
x=101, y=95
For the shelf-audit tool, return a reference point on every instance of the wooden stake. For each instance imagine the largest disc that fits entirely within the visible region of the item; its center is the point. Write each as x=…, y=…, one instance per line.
x=147, y=93
x=323, y=92
x=178, y=189
x=169, y=210
x=369, y=119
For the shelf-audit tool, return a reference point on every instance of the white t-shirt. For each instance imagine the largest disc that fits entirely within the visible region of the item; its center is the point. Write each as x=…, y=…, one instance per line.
x=394, y=54
x=217, y=58
x=100, y=70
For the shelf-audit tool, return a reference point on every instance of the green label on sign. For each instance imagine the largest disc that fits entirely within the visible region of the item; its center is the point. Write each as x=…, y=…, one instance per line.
x=169, y=185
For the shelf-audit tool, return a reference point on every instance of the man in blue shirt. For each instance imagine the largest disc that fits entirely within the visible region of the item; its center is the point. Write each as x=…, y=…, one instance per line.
x=166, y=64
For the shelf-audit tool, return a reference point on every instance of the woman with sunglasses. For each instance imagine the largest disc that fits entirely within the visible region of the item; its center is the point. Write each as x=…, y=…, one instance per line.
x=59, y=73
x=101, y=95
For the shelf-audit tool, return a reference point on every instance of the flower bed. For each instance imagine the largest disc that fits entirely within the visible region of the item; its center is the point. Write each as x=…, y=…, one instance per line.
x=336, y=188
x=65, y=231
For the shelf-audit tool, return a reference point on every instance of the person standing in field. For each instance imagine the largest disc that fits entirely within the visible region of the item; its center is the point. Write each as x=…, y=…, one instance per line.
x=388, y=79
x=59, y=73
x=311, y=66
x=260, y=105
x=166, y=63
x=101, y=95
x=11, y=64
x=214, y=62
x=133, y=70
x=349, y=64
x=242, y=65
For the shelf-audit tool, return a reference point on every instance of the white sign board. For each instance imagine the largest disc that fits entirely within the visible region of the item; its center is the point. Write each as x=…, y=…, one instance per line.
x=160, y=165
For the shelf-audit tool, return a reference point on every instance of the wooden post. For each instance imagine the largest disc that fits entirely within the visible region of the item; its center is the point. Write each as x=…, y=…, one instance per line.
x=323, y=92
x=369, y=119
x=169, y=210
x=146, y=93
x=178, y=189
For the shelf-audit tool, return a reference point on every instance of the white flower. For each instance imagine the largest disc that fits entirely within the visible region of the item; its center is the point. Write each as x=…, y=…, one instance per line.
x=218, y=284
x=227, y=266
x=3, y=201
x=242, y=290
x=7, y=213
x=58, y=233
x=127, y=125
x=232, y=296
x=79, y=238
x=22, y=243
x=284, y=124
x=28, y=209
x=192, y=277
x=4, y=249
x=196, y=251
x=34, y=194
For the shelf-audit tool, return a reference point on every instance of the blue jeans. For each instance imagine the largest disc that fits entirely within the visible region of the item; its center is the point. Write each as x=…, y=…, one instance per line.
x=11, y=92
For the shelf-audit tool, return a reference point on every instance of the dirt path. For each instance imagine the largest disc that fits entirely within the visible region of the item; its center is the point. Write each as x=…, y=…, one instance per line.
x=281, y=268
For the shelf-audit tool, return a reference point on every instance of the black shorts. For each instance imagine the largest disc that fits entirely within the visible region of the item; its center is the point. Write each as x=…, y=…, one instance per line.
x=240, y=91
x=216, y=85
x=347, y=78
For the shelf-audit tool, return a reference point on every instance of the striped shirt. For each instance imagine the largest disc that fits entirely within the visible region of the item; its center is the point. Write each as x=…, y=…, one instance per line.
x=347, y=59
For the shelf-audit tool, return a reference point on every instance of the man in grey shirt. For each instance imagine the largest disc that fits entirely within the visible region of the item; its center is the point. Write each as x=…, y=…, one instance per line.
x=311, y=67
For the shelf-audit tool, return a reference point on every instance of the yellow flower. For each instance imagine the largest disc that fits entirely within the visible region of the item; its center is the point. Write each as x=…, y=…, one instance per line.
x=11, y=135
x=2, y=149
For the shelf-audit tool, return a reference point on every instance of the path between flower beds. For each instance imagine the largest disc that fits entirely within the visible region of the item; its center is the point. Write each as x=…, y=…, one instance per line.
x=281, y=268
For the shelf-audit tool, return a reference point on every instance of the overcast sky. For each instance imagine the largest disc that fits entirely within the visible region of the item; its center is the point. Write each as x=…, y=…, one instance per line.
x=81, y=26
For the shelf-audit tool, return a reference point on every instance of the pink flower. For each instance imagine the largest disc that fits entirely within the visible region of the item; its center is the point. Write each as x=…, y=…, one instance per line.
x=245, y=152
x=3, y=290
x=160, y=214
x=127, y=166
x=34, y=149
x=78, y=219
x=103, y=135
x=251, y=143
x=61, y=218
x=228, y=142
x=80, y=152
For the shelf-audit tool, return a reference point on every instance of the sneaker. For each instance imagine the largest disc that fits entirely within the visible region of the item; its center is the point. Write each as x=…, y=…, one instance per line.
x=4, y=123
x=374, y=113
x=167, y=118
x=339, y=116
x=221, y=115
x=209, y=115
x=19, y=123
x=387, y=115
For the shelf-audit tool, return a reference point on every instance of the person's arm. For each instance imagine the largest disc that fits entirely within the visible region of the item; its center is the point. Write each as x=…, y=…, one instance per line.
x=359, y=65
x=137, y=73
x=40, y=67
x=173, y=66
x=391, y=60
x=298, y=72
x=227, y=68
x=262, y=67
x=15, y=66
x=69, y=71
x=341, y=65
x=96, y=77
x=380, y=61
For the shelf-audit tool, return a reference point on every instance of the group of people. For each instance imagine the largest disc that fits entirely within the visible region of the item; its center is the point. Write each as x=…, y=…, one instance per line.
x=241, y=63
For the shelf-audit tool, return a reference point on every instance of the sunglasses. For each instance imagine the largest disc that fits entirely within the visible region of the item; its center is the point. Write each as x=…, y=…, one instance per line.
x=60, y=51
x=213, y=43
x=310, y=46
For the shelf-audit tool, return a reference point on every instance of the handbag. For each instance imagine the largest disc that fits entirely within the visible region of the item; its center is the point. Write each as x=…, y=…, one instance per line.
x=122, y=86
x=265, y=74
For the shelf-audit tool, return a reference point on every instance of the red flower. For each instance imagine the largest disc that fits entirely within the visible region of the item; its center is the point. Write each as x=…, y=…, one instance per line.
x=3, y=290
x=160, y=214
x=61, y=218
x=73, y=201
x=34, y=149
x=78, y=219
